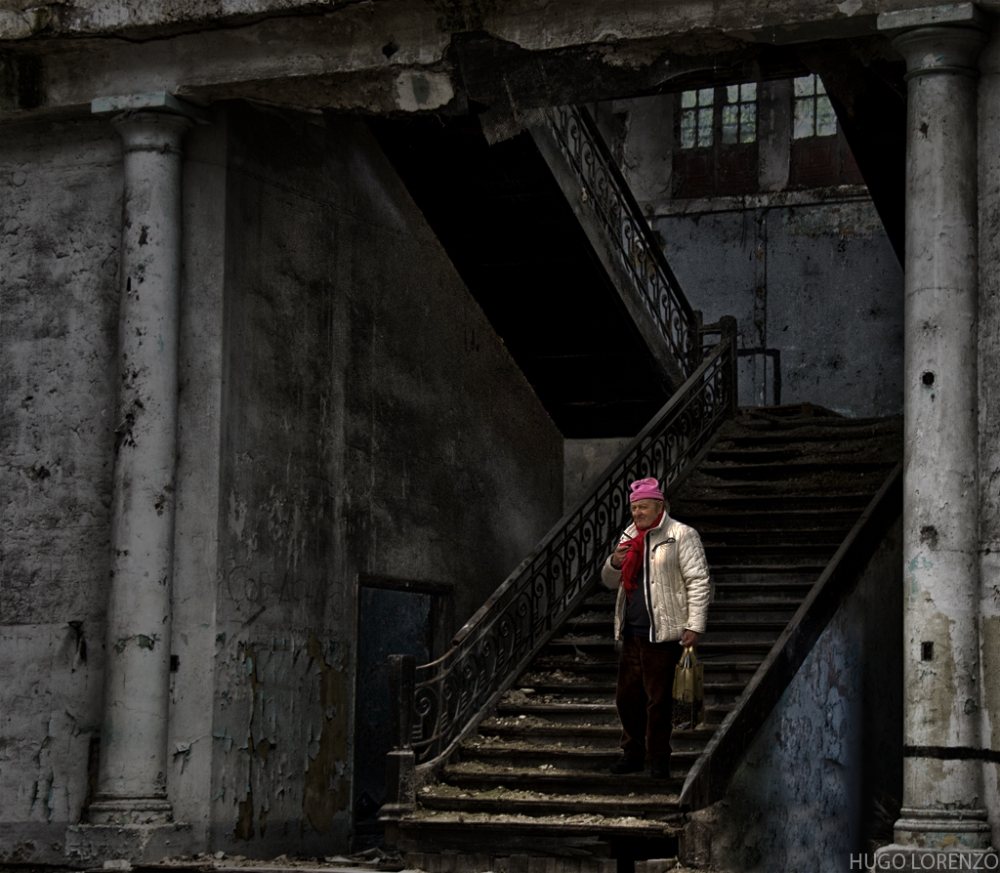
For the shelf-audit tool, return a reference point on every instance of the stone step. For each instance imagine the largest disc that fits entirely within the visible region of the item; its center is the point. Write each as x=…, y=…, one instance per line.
x=579, y=835
x=762, y=537
x=694, y=506
x=782, y=474
x=485, y=777
x=607, y=688
x=639, y=805
x=546, y=758
x=777, y=553
x=604, y=644
x=706, y=522
x=505, y=861
x=540, y=731
x=768, y=591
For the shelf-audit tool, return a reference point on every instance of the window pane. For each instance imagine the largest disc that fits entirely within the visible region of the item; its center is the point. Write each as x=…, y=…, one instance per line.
x=805, y=86
x=803, y=118
x=689, y=98
x=730, y=123
x=732, y=93
x=748, y=127
x=819, y=85
x=706, y=96
x=748, y=92
x=688, y=139
x=704, y=127
x=826, y=118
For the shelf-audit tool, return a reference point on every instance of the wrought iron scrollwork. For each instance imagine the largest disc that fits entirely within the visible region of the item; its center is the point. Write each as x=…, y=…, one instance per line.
x=452, y=693
x=605, y=189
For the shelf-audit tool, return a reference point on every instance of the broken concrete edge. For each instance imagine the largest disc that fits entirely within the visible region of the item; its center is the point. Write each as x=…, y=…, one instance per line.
x=951, y=13
x=159, y=101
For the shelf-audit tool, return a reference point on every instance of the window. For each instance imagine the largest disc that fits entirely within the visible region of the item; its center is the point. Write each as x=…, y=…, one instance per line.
x=697, y=118
x=739, y=114
x=716, y=141
x=814, y=115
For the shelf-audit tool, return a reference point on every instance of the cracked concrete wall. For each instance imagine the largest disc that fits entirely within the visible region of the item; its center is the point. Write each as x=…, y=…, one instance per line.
x=60, y=213
x=818, y=281
x=803, y=796
x=373, y=423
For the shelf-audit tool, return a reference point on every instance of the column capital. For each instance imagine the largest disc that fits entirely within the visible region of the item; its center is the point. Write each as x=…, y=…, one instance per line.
x=155, y=102
x=144, y=131
x=939, y=39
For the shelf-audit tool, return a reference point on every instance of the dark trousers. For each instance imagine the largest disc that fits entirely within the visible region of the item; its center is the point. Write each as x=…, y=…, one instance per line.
x=645, y=697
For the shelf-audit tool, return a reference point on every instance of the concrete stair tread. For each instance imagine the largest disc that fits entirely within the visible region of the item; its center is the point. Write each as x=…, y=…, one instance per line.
x=537, y=726
x=479, y=774
x=586, y=824
x=533, y=803
x=481, y=747
x=608, y=688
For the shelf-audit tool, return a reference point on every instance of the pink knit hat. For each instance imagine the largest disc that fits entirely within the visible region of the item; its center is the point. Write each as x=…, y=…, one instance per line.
x=645, y=489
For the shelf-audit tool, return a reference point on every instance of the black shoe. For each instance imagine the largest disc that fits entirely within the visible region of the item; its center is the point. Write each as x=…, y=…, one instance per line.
x=659, y=771
x=627, y=765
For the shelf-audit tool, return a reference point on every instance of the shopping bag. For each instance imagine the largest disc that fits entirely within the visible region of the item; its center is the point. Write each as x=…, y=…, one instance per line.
x=689, y=677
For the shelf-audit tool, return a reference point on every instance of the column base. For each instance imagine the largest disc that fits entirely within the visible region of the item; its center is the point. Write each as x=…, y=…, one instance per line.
x=110, y=810
x=90, y=845
x=945, y=829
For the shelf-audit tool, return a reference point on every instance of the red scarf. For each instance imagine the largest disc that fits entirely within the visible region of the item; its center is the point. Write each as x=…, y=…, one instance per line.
x=632, y=564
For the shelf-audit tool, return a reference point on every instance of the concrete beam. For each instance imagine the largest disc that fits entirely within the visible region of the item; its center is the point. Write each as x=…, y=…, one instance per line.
x=382, y=56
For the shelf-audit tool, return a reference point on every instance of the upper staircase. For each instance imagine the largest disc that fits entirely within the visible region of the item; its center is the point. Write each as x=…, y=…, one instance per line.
x=775, y=498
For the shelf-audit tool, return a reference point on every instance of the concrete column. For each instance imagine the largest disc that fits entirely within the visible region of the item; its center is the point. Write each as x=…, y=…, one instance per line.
x=943, y=785
x=132, y=776
x=989, y=410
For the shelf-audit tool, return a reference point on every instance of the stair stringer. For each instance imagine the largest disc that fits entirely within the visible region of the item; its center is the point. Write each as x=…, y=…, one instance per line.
x=661, y=314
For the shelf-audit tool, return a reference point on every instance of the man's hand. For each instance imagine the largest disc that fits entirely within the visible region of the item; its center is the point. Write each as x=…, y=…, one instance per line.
x=618, y=555
x=690, y=638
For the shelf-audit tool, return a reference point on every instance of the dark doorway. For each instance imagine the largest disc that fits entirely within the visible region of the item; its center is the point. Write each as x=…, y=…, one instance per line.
x=395, y=617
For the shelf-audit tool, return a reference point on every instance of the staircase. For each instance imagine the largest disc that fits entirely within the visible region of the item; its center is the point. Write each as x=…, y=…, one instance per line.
x=774, y=498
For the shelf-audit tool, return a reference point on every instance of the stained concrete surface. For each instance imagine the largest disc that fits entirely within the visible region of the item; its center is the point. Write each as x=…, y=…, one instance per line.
x=60, y=186
x=818, y=282
x=345, y=408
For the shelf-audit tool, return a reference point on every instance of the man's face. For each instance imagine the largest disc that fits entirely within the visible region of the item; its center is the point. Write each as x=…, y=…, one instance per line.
x=644, y=512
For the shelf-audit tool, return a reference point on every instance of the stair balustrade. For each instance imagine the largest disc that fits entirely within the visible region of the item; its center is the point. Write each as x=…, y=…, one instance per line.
x=438, y=705
x=604, y=187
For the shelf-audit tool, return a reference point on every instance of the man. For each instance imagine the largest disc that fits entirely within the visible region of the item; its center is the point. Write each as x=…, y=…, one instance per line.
x=661, y=574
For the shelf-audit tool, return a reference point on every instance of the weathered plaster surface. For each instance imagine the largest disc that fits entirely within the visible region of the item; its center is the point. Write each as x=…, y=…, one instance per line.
x=585, y=461
x=196, y=541
x=989, y=414
x=801, y=798
x=60, y=186
x=818, y=282
x=372, y=423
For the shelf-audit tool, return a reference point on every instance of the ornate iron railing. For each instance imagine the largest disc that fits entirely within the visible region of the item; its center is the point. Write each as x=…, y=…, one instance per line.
x=441, y=702
x=605, y=188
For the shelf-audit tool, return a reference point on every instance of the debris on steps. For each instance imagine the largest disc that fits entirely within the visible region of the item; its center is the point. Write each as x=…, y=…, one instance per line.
x=773, y=500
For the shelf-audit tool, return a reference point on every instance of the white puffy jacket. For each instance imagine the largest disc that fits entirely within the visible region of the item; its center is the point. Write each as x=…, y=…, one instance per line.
x=676, y=574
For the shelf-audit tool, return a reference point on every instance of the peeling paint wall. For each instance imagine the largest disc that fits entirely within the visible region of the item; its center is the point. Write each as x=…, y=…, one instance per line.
x=802, y=799
x=60, y=190
x=373, y=423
